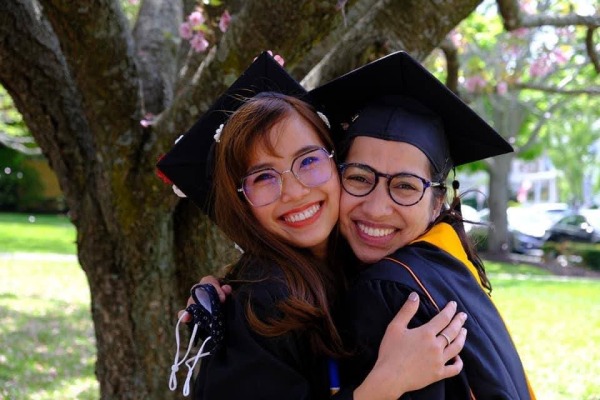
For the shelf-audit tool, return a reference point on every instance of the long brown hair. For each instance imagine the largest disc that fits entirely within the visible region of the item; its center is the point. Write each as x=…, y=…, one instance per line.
x=451, y=214
x=311, y=283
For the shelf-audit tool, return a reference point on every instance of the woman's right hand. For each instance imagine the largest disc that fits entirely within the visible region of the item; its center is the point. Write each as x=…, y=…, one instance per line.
x=410, y=359
x=222, y=290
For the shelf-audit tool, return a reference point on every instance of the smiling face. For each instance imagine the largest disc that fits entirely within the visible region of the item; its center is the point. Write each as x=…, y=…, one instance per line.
x=374, y=225
x=302, y=216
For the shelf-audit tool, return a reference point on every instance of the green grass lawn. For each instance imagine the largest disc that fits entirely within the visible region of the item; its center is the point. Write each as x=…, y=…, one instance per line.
x=556, y=328
x=47, y=346
x=36, y=233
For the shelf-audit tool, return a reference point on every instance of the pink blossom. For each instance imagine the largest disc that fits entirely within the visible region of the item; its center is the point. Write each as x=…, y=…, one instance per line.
x=540, y=67
x=514, y=51
x=528, y=6
x=199, y=43
x=196, y=18
x=134, y=2
x=566, y=33
x=185, y=31
x=224, y=21
x=520, y=33
x=279, y=59
x=474, y=83
x=502, y=88
x=456, y=38
x=559, y=56
x=276, y=57
x=148, y=120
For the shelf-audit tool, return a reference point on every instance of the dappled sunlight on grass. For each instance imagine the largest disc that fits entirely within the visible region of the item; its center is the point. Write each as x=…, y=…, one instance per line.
x=45, y=278
x=80, y=389
x=556, y=327
x=47, y=344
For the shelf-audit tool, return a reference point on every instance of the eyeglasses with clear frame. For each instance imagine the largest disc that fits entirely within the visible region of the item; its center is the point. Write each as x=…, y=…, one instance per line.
x=405, y=189
x=311, y=168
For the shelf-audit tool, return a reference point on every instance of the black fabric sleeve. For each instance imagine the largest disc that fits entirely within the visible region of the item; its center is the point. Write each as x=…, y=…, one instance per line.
x=252, y=366
x=370, y=306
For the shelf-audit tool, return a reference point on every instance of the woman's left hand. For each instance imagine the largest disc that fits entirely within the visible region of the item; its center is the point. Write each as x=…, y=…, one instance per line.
x=222, y=290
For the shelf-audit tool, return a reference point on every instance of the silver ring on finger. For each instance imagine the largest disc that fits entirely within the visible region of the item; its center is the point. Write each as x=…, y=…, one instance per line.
x=445, y=337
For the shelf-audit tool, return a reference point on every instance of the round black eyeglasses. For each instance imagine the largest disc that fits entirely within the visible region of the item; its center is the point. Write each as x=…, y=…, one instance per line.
x=312, y=168
x=405, y=189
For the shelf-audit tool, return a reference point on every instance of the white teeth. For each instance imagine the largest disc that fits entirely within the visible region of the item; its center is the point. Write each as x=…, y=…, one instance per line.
x=309, y=212
x=375, y=232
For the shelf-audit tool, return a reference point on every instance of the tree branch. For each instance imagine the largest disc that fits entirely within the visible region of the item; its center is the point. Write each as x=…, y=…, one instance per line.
x=536, y=21
x=593, y=90
x=414, y=26
x=157, y=41
x=45, y=94
x=106, y=77
x=108, y=81
x=514, y=18
x=510, y=12
x=452, y=64
x=343, y=49
x=589, y=45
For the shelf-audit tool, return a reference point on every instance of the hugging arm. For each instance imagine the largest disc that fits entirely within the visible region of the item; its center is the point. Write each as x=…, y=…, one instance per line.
x=399, y=359
x=422, y=357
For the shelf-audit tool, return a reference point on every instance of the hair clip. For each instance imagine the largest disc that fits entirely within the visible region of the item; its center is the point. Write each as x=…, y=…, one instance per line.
x=217, y=135
x=324, y=118
x=178, y=192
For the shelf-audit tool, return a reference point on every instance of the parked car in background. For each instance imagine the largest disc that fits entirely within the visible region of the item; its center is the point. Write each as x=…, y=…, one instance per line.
x=581, y=226
x=527, y=229
x=527, y=225
x=554, y=211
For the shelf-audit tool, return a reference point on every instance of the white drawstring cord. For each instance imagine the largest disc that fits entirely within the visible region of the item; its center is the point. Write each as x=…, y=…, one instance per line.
x=194, y=361
x=177, y=363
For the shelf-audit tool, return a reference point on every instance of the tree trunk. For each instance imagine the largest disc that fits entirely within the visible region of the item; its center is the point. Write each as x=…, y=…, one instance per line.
x=89, y=80
x=498, y=199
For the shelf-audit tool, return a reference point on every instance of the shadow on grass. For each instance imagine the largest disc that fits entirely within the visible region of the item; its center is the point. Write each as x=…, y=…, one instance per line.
x=46, y=347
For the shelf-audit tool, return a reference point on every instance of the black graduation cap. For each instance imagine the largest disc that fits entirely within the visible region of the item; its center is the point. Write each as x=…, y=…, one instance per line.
x=189, y=164
x=396, y=98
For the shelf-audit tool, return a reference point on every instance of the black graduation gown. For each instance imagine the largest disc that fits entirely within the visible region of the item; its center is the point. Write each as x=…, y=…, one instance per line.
x=250, y=366
x=492, y=367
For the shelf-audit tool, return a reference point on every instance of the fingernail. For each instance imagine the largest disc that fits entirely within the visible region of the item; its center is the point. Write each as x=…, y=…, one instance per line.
x=463, y=330
x=453, y=303
x=463, y=316
x=413, y=296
